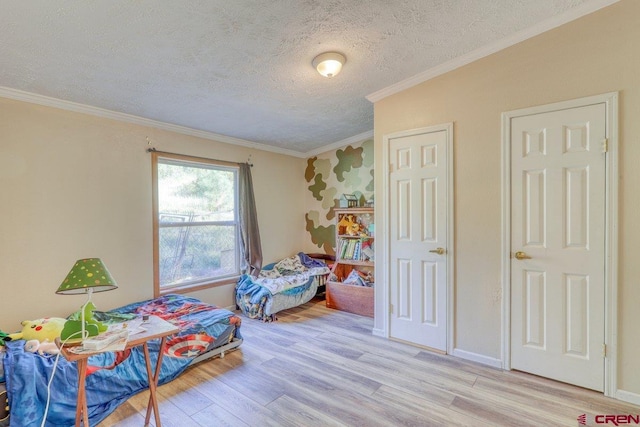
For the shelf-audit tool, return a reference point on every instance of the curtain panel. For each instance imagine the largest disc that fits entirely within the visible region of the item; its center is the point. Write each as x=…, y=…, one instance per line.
x=249, y=232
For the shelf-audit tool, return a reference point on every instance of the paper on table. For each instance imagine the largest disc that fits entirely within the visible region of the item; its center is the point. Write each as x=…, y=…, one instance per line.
x=118, y=345
x=134, y=326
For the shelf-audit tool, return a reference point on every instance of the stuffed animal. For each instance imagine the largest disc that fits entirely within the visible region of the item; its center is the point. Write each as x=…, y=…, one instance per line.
x=31, y=346
x=42, y=348
x=349, y=225
x=46, y=329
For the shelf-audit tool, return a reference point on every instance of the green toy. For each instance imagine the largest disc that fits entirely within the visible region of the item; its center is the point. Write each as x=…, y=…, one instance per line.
x=72, y=331
x=4, y=338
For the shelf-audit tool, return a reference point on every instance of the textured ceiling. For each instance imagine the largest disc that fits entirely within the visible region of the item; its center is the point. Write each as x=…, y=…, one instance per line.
x=242, y=68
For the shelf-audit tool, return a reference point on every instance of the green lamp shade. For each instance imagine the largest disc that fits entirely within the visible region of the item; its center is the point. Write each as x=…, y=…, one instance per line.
x=88, y=274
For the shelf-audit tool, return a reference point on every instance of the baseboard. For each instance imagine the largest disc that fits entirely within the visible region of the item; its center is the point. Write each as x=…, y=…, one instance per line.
x=479, y=358
x=628, y=397
x=379, y=333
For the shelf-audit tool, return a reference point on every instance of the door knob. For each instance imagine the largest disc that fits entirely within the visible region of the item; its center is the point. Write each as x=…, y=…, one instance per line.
x=439, y=251
x=521, y=255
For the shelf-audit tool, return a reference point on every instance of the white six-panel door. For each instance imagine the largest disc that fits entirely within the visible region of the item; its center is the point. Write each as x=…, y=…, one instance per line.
x=558, y=195
x=418, y=237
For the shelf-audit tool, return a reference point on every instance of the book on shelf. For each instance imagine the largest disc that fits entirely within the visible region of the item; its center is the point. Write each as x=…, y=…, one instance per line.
x=350, y=249
x=368, y=253
x=356, y=251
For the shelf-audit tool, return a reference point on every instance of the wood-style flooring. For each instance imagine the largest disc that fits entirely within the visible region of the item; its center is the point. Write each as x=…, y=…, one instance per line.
x=321, y=367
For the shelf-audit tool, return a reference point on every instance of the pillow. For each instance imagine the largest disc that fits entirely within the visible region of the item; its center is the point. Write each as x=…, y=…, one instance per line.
x=309, y=262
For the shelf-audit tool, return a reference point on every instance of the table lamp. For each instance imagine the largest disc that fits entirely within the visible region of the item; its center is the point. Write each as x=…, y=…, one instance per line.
x=86, y=277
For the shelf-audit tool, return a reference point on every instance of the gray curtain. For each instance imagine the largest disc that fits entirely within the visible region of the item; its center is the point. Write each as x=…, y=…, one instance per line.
x=249, y=233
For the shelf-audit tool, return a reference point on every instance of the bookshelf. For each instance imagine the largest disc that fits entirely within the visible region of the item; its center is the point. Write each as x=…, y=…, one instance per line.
x=353, y=271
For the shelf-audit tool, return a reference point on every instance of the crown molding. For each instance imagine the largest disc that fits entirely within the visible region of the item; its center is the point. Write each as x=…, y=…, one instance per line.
x=48, y=101
x=520, y=36
x=361, y=137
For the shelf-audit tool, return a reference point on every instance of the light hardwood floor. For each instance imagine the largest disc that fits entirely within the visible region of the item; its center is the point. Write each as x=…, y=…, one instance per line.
x=321, y=367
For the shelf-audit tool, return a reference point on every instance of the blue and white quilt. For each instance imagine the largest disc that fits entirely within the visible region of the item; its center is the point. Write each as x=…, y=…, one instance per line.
x=288, y=283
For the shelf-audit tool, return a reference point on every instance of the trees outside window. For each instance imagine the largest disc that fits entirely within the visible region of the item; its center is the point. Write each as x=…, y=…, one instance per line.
x=196, y=223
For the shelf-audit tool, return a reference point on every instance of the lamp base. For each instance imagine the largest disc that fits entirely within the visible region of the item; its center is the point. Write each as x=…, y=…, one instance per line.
x=72, y=332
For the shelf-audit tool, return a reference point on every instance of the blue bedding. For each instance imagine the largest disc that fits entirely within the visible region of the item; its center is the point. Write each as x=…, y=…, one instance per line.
x=27, y=374
x=255, y=298
x=257, y=302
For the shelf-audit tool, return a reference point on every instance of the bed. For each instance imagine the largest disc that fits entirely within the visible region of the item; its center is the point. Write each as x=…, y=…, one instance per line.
x=205, y=331
x=281, y=285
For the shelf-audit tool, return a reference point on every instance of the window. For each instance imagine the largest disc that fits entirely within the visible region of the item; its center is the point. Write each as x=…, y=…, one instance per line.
x=196, y=224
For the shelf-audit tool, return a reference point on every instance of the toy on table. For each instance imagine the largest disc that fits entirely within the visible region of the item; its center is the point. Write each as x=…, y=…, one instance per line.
x=73, y=326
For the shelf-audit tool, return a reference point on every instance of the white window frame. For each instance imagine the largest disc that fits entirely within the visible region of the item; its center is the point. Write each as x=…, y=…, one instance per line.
x=210, y=282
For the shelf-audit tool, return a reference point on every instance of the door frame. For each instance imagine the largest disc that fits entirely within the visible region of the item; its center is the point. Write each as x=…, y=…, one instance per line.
x=610, y=100
x=383, y=293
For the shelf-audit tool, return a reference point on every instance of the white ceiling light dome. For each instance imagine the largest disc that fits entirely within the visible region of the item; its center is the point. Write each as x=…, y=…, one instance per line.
x=329, y=64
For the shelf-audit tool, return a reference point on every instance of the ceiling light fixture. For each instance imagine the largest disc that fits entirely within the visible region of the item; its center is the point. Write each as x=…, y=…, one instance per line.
x=329, y=64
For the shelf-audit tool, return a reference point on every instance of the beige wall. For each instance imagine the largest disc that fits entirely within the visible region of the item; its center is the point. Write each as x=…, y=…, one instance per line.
x=75, y=186
x=596, y=54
